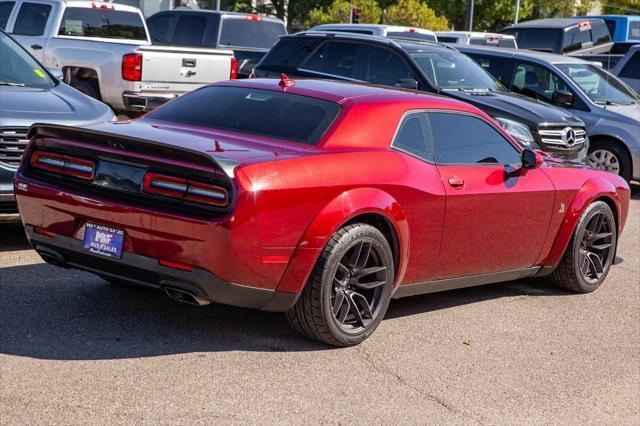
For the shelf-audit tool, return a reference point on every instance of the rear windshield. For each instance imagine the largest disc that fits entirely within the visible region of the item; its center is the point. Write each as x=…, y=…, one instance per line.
x=104, y=23
x=542, y=39
x=447, y=39
x=490, y=41
x=411, y=35
x=258, y=112
x=250, y=33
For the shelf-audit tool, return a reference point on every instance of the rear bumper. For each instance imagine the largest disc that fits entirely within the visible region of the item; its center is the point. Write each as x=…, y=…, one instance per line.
x=143, y=102
x=148, y=272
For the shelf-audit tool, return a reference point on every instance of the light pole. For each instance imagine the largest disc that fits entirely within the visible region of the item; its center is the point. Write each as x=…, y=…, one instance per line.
x=515, y=14
x=470, y=15
x=217, y=4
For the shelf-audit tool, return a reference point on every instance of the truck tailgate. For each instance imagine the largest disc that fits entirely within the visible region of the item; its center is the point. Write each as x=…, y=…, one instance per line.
x=174, y=65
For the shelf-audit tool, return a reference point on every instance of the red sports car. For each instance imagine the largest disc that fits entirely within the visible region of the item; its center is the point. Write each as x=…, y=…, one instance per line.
x=320, y=199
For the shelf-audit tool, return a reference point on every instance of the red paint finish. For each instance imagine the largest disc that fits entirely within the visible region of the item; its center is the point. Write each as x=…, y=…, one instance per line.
x=287, y=199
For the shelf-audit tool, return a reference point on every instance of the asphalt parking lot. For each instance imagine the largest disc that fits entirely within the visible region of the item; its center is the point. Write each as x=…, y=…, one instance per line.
x=74, y=349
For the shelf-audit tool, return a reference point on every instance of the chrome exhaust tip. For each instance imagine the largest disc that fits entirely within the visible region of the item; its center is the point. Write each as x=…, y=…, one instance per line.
x=184, y=296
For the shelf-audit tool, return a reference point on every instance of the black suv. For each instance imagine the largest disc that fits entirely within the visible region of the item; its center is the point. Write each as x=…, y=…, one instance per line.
x=432, y=67
x=249, y=36
x=564, y=36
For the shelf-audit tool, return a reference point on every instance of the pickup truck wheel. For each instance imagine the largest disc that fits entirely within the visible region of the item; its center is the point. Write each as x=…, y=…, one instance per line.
x=88, y=87
x=591, y=251
x=611, y=157
x=349, y=290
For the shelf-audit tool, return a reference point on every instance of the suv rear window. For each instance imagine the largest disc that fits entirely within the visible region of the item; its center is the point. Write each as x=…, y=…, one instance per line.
x=542, y=39
x=250, y=33
x=104, y=23
x=255, y=111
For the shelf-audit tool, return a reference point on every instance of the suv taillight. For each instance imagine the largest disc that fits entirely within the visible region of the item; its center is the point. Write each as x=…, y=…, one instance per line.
x=233, y=73
x=185, y=189
x=132, y=67
x=63, y=164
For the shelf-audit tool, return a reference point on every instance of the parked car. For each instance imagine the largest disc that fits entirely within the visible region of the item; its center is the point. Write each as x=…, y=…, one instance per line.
x=279, y=210
x=565, y=36
x=431, y=67
x=393, y=31
x=628, y=68
x=608, y=107
x=477, y=38
x=104, y=51
x=624, y=30
x=29, y=93
x=249, y=36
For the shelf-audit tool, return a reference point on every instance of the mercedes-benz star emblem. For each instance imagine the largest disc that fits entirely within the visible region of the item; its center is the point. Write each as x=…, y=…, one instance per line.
x=569, y=136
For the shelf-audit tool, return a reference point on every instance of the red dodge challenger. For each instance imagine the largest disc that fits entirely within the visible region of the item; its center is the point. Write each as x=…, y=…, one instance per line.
x=320, y=199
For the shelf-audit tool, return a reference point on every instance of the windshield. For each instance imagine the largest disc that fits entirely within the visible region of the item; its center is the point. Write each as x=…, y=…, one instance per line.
x=250, y=33
x=19, y=69
x=600, y=86
x=448, y=70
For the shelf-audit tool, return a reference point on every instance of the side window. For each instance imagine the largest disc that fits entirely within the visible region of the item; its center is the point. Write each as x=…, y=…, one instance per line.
x=576, y=38
x=632, y=68
x=386, y=67
x=464, y=139
x=159, y=27
x=536, y=82
x=500, y=68
x=190, y=30
x=634, y=30
x=32, y=19
x=5, y=11
x=600, y=33
x=336, y=58
x=412, y=136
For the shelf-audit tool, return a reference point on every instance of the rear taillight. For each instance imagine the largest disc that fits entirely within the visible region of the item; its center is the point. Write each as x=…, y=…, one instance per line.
x=233, y=73
x=132, y=67
x=256, y=18
x=63, y=164
x=185, y=189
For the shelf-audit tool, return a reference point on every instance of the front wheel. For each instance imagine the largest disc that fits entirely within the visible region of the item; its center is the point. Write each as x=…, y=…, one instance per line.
x=348, y=292
x=610, y=157
x=591, y=251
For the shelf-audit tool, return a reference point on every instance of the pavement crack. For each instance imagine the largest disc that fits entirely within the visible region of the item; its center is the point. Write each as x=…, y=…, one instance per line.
x=380, y=366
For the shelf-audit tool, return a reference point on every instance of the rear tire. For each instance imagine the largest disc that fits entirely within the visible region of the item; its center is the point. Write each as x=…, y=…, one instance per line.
x=349, y=289
x=590, y=253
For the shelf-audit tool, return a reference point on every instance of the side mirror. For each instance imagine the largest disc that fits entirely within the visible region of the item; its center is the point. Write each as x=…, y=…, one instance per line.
x=56, y=73
x=562, y=97
x=531, y=159
x=407, y=83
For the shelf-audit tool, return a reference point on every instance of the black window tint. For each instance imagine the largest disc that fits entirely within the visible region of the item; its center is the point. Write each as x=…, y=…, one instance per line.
x=103, y=23
x=159, y=26
x=611, y=26
x=341, y=30
x=412, y=137
x=5, y=12
x=542, y=39
x=575, y=38
x=500, y=68
x=386, y=67
x=443, y=39
x=536, y=82
x=250, y=33
x=261, y=112
x=632, y=68
x=190, y=30
x=336, y=58
x=600, y=33
x=411, y=35
x=32, y=19
x=289, y=52
x=634, y=30
x=463, y=139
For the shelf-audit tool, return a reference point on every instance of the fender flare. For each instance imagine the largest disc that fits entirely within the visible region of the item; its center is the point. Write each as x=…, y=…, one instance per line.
x=332, y=217
x=593, y=189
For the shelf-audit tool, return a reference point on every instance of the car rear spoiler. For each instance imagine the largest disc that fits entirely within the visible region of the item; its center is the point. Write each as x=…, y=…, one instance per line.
x=132, y=144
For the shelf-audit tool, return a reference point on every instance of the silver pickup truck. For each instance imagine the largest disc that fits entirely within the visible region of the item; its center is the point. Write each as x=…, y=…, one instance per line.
x=104, y=50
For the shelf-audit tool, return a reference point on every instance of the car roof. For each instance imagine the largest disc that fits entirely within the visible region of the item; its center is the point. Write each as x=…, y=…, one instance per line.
x=97, y=4
x=521, y=53
x=410, y=45
x=393, y=28
x=551, y=23
x=341, y=91
x=221, y=12
x=474, y=34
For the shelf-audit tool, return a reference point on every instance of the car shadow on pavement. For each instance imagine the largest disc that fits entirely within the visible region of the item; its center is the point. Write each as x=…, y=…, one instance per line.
x=52, y=313
x=12, y=237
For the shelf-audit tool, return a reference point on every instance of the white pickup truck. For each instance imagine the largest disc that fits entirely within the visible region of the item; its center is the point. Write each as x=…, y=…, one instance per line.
x=104, y=50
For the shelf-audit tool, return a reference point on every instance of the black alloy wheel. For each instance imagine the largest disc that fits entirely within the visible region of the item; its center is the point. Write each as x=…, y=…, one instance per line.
x=596, y=247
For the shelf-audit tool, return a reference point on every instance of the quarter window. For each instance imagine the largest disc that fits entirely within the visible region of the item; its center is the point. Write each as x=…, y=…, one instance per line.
x=464, y=139
x=412, y=137
x=32, y=19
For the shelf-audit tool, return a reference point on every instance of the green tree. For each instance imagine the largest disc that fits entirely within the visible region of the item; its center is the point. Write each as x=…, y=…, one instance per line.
x=370, y=12
x=416, y=14
x=621, y=7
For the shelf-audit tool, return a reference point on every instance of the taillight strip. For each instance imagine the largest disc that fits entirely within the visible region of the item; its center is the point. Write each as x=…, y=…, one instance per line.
x=185, y=189
x=206, y=193
x=171, y=186
x=64, y=164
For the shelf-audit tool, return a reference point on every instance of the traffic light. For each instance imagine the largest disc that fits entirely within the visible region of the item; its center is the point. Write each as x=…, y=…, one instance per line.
x=355, y=15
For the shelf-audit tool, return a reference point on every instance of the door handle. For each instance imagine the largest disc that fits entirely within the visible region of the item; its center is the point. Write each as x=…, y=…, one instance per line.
x=36, y=47
x=456, y=182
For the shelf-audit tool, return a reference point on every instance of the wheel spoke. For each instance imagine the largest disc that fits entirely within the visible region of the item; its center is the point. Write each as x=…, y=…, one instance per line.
x=343, y=270
x=338, y=302
x=344, y=311
x=360, y=256
x=368, y=285
x=369, y=271
x=358, y=302
x=595, y=265
x=584, y=267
